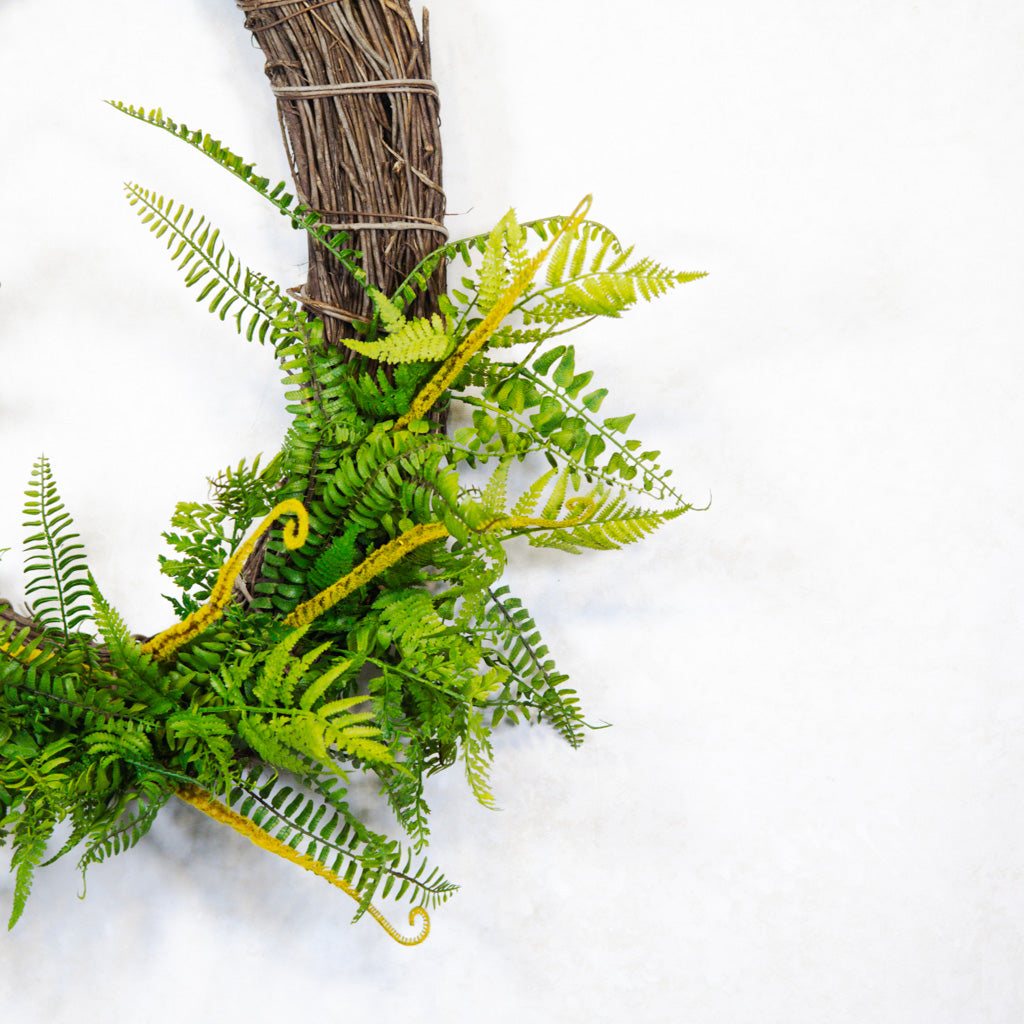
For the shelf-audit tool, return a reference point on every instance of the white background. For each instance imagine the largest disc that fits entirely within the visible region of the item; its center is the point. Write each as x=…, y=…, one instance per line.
x=809, y=809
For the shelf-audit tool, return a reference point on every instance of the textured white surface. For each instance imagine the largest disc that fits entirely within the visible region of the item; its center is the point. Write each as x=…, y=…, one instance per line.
x=809, y=809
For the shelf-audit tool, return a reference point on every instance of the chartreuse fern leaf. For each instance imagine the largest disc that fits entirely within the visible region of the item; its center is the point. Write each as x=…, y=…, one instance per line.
x=424, y=339
x=255, y=304
x=588, y=274
x=504, y=255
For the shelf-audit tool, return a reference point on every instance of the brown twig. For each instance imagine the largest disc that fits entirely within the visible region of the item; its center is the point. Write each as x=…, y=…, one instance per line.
x=360, y=121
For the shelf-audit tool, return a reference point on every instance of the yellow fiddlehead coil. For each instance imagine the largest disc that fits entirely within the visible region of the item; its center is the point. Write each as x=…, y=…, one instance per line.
x=164, y=644
x=202, y=801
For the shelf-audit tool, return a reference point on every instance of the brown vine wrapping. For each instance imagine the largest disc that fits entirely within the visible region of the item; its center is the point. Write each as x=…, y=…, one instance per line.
x=359, y=115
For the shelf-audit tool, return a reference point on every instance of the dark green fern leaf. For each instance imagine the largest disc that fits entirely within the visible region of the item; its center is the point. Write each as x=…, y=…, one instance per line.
x=58, y=579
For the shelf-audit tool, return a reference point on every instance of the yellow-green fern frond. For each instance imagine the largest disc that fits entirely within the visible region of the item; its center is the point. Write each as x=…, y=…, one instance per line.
x=609, y=524
x=423, y=339
x=504, y=252
x=478, y=337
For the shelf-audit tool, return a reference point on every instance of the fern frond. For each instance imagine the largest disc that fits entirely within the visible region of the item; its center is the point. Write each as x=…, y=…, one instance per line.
x=110, y=624
x=30, y=838
x=326, y=832
x=206, y=262
x=496, y=267
x=492, y=498
x=528, y=499
x=128, y=829
x=337, y=560
x=408, y=616
x=21, y=646
x=610, y=523
x=205, y=740
x=278, y=196
x=480, y=334
x=58, y=580
x=477, y=755
x=534, y=679
x=546, y=406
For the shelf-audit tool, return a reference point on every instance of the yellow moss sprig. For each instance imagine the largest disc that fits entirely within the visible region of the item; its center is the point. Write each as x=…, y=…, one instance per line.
x=164, y=644
x=202, y=801
x=373, y=565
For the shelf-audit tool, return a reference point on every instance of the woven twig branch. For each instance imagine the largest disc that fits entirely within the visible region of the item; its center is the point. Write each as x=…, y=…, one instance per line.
x=315, y=92
x=359, y=114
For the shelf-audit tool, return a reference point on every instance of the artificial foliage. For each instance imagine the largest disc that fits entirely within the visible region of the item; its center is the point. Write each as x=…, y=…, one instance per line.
x=376, y=636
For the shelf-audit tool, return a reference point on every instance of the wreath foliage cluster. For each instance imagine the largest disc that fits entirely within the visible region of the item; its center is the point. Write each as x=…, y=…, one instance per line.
x=377, y=636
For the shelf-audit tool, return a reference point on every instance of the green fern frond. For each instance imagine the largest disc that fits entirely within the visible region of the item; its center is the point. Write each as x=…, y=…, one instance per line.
x=58, y=580
x=324, y=828
x=337, y=560
x=18, y=645
x=127, y=830
x=205, y=740
x=199, y=254
x=547, y=406
x=534, y=681
x=278, y=196
x=30, y=838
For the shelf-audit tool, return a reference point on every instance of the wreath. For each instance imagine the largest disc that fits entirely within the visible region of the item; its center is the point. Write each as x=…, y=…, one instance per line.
x=340, y=609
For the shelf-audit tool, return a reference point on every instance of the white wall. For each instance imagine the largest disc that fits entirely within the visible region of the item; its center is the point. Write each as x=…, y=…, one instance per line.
x=809, y=809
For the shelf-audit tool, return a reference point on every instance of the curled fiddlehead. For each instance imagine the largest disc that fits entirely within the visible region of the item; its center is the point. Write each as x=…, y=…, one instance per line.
x=164, y=644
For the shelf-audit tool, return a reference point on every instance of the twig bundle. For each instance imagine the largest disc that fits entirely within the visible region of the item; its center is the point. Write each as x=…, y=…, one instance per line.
x=359, y=115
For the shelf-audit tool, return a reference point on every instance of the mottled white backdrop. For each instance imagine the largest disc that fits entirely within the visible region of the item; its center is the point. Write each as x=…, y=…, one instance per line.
x=809, y=810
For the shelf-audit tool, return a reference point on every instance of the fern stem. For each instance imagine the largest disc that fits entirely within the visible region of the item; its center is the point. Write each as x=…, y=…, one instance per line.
x=202, y=801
